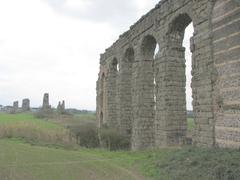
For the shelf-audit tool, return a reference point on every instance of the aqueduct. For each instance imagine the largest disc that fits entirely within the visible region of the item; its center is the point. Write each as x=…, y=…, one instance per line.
x=143, y=95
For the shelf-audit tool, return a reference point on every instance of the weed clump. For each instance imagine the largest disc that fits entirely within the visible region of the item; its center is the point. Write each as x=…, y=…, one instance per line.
x=113, y=140
x=44, y=113
x=31, y=132
x=86, y=135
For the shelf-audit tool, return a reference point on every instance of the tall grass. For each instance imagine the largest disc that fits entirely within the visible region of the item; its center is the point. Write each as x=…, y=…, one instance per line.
x=190, y=126
x=27, y=127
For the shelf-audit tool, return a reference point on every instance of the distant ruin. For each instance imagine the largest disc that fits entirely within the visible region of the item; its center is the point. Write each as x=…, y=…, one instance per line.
x=15, y=108
x=25, y=105
x=61, y=107
x=46, y=105
x=143, y=95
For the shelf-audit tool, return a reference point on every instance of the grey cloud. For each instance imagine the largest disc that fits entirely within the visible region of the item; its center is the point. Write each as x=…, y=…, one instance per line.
x=107, y=11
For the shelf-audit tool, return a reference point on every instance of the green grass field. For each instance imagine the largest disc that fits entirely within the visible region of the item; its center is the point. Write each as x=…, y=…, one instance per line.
x=73, y=120
x=20, y=160
x=26, y=118
x=24, y=162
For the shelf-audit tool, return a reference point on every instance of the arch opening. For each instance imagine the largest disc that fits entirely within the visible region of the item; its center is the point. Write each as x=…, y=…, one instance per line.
x=156, y=55
x=102, y=89
x=179, y=70
x=178, y=27
x=148, y=48
x=102, y=97
x=188, y=34
x=129, y=55
x=115, y=65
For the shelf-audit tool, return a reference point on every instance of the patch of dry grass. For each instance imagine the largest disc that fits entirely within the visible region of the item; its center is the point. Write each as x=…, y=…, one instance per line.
x=34, y=130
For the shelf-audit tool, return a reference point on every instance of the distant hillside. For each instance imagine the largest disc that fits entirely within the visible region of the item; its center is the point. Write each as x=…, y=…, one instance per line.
x=77, y=111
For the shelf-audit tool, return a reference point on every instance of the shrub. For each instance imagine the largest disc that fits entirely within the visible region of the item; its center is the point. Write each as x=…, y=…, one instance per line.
x=86, y=135
x=112, y=140
x=44, y=113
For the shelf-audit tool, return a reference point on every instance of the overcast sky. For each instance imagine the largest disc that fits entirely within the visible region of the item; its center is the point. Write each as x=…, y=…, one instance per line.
x=54, y=45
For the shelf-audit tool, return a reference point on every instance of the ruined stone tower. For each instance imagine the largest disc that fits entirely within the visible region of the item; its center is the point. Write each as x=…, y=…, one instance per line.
x=25, y=105
x=15, y=107
x=61, y=107
x=45, y=104
x=143, y=94
x=15, y=104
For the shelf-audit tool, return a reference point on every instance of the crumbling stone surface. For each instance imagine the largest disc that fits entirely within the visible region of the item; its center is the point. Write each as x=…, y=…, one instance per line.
x=143, y=94
x=25, y=105
x=226, y=51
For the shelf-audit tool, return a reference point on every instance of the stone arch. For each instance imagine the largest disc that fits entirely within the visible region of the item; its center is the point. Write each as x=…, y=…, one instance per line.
x=125, y=96
x=129, y=55
x=172, y=131
x=114, y=66
x=177, y=27
x=171, y=120
x=148, y=46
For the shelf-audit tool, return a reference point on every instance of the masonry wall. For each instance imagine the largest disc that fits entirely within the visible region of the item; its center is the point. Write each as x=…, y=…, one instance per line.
x=154, y=114
x=226, y=45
